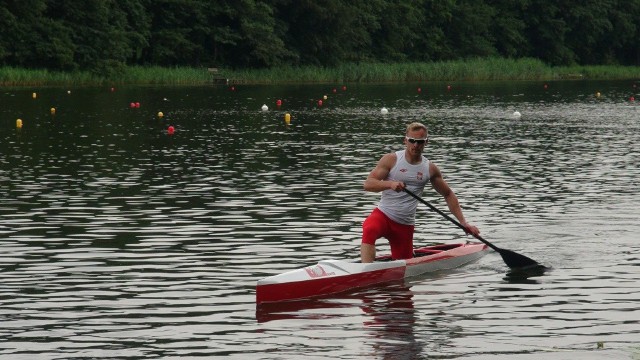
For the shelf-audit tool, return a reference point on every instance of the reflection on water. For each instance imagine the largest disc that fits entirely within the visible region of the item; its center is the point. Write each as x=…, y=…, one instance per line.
x=120, y=241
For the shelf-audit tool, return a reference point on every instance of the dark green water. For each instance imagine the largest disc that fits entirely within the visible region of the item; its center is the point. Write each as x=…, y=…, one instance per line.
x=119, y=240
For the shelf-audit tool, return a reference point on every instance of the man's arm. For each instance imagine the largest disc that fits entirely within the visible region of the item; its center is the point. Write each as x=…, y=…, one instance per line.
x=376, y=182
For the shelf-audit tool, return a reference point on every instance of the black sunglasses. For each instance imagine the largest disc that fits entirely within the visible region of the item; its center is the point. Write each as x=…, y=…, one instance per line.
x=419, y=141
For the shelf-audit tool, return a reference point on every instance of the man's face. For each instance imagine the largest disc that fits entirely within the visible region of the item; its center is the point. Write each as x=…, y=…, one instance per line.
x=415, y=141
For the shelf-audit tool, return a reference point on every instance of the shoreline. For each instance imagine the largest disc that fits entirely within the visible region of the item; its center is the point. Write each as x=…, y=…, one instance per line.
x=490, y=69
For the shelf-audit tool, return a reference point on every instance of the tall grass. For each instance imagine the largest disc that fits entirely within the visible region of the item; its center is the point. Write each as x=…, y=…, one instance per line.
x=462, y=70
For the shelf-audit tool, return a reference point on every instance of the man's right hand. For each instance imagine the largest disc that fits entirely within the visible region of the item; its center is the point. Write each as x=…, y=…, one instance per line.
x=397, y=186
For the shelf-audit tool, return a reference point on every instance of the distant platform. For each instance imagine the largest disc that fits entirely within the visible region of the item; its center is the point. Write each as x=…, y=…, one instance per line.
x=217, y=77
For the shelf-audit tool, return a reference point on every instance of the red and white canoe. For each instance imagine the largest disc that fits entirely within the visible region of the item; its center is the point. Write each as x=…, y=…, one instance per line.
x=334, y=276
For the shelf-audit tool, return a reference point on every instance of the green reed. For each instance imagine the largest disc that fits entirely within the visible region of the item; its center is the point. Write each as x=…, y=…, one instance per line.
x=462, y=70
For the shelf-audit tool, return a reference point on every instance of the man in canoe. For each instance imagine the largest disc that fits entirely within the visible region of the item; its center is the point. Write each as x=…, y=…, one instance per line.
x=394, y=217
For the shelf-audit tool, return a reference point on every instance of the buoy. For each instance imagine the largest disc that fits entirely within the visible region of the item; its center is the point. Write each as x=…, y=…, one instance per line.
x=233, y=88
x=113, y=89
x=171, y=130
x=516, y=114
x=448, y=87
x=384, y=111
x=287, y=118
x=53, y=111
x=334, y=90
x=137, y=105
x=632, y=99
x=325, y=97
x=160, y=114
x=344, y=88
x=265, y=107
x=34, y=95
x=598, y=94
x=132, y=105
x=279, y=102
x=319, y=102
x=419, y=90
x=68, y=91
x=19, y=123
x=546, y=86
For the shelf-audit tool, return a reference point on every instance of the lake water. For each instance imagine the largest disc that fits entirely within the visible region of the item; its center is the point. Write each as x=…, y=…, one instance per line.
x=121, y=241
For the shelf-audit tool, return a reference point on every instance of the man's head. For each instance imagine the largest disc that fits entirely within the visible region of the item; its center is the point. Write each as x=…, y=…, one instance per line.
x=416, y=135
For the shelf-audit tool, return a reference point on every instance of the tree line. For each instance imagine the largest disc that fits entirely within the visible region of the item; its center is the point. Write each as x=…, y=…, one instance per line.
x=104, y=36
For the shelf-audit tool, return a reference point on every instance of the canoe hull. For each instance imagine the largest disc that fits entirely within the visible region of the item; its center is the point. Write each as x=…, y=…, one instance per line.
x=334, y=276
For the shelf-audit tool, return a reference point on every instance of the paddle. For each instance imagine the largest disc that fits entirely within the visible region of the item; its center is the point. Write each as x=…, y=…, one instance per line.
x=512, y=259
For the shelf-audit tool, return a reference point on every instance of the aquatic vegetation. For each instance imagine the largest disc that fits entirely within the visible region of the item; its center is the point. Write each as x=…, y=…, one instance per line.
x=462, y=70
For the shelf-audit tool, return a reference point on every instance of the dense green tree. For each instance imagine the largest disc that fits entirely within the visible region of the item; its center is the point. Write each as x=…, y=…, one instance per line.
x=98, y=31
x=547, y=31
x=469, y=30
x=179, y=31
x=398, y=37
x=433, y=34
x=624, y=39
x=330, y=32
x=508, y=27
x=29, y=38
x=105, y=35
x=260, y=35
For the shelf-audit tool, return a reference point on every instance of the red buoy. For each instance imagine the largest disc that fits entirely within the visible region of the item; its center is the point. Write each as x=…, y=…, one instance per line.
x=171, y=130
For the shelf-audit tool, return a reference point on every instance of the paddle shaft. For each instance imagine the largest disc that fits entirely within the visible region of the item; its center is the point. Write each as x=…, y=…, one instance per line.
x=451, y=219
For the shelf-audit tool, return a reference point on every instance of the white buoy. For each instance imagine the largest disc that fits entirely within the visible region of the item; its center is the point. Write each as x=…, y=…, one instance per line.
x=516, y=114
x=384, y=111
x=265, y=107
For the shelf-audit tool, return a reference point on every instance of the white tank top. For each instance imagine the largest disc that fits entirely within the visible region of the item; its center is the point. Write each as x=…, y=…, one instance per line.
x=400, y=206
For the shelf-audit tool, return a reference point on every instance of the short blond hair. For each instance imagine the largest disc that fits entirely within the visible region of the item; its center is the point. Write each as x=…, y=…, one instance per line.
x=414, y=126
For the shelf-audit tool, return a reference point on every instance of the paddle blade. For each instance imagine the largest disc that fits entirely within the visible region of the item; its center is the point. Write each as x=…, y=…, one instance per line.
x=517, y=261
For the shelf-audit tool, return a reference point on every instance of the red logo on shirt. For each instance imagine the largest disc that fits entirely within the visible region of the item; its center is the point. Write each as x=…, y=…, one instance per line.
x=403, y=170
x=419, y=175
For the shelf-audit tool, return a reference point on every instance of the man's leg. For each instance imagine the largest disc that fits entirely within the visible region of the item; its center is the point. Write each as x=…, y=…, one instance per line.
x=367, y=253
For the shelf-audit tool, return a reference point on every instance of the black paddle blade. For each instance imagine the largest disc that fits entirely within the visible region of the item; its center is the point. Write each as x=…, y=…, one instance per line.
x=517, y=261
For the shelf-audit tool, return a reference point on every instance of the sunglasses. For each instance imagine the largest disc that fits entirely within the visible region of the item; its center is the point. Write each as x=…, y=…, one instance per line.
x=418, y=141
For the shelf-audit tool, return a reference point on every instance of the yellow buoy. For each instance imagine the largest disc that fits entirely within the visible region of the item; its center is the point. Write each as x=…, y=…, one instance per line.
x=19, y=123
x=34, y=95
x=325, y=97
x=598, y=94
x=287, y=118
x=53, y=111
x=160, y=114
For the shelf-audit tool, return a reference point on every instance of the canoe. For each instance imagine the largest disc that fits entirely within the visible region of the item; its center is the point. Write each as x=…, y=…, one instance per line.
x=329, y=277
